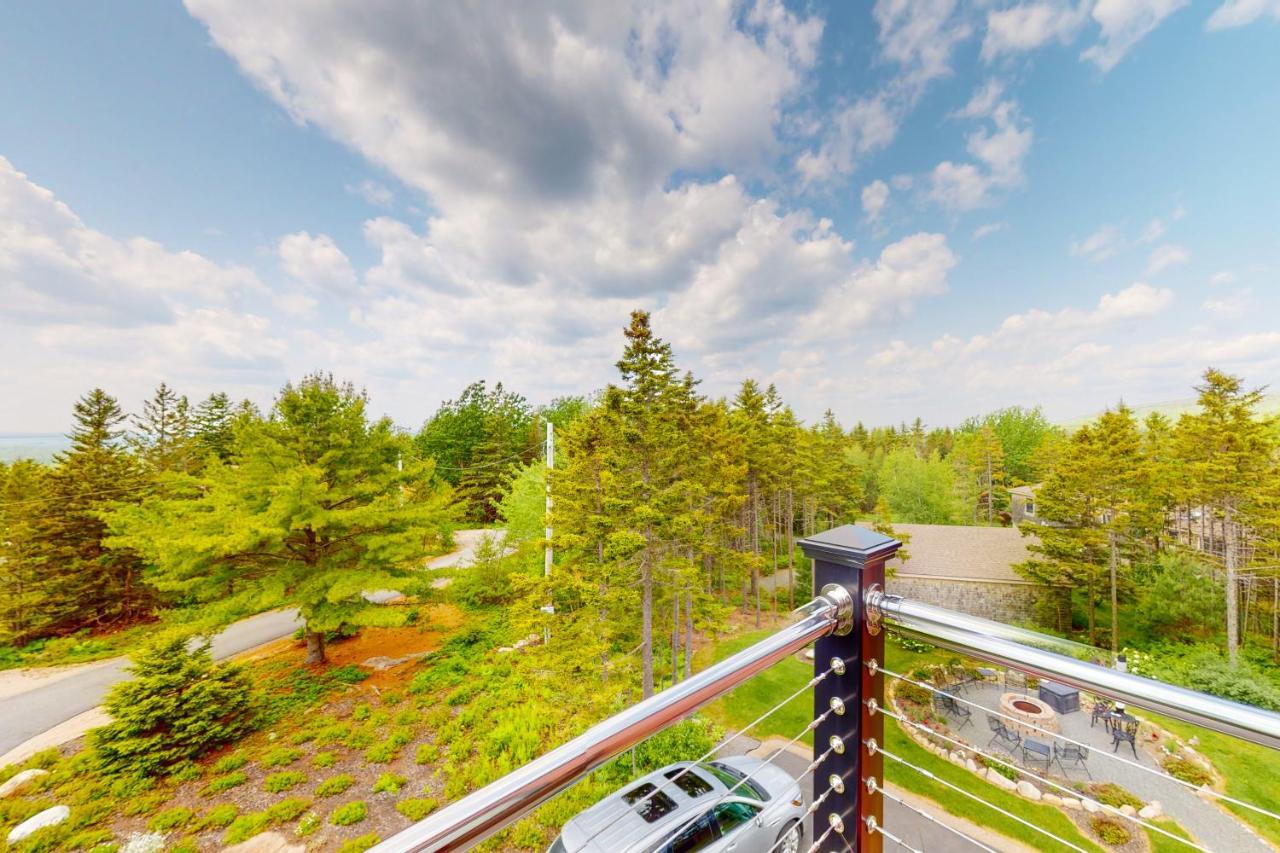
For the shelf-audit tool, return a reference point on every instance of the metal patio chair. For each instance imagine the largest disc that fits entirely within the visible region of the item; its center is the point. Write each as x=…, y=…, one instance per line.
x=1073, y=754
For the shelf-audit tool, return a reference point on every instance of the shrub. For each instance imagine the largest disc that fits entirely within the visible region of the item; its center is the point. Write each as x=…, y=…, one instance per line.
x=220, y=816
x=389, y=782
x=310, y=823
x=360, y=843
x=304, y=736
x=171, y=818
x=224, y=783
x=361, y=712
x=186, y=772
x=228, y=763
x=281, y=756
x=286, y=810
x=382, y=753
x=1111, y=794
x=1186, y=770
x=324, y=759
x=1006, y=772
x=392, y=697
x=179, y=705
x=427, y=753
x=283, y=781
x=912, y=693
x=408, y=717
x=244, y=827
x=335, y=785
x=416, y=808
x=349, y=813
x=1110, y=830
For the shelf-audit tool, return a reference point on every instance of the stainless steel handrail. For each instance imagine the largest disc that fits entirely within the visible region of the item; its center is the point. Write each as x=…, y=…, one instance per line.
x=482, y=813
x=1023, y=650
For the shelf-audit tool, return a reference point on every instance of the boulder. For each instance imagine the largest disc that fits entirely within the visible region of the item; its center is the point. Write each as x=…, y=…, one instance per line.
x=1090, y=806
x=48, y=817
x=20, y=782
x=1128, y=810
x=144, y=842
x=1052, y=799
x=971, y=765
x=1151, y=810
x=1001, y=781
x=265, y=842
x=1026, y=789
x=957, y=759
x=1071, y=803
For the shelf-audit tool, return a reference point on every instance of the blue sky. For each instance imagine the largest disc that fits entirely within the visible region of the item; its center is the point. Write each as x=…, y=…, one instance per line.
x=890, y=210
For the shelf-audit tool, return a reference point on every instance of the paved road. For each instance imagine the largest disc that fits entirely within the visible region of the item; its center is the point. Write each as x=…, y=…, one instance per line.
x=27, y=713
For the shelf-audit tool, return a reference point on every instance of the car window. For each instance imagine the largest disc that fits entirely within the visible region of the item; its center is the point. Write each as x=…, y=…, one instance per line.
x=730, y=816
x=696, y=836
x=691, y=783
x=732, y=776
x=649, y=805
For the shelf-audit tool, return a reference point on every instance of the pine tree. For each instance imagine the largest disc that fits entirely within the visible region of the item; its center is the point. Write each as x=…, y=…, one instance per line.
x=213, y=426
x=162, y=433
x=24, y=498
x=320, y=506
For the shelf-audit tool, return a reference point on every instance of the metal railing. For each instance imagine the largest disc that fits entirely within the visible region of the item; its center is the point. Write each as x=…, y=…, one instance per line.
x=847, y=623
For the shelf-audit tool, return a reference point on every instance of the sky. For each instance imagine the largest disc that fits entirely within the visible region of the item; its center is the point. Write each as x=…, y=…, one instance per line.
x=898, y=209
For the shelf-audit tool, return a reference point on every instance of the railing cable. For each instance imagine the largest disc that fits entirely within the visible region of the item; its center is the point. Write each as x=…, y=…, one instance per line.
x=924, y=814
x=873, y=826
x=721, y=745
x=928, y=774
x=1159, y=774
x=1043, y=781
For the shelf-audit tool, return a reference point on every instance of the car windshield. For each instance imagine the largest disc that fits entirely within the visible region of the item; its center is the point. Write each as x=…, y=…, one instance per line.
x=649, y=805
x=691, y=783
x=731, y=776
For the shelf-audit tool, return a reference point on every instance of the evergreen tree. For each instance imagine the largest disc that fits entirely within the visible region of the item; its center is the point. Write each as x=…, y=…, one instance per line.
x=213, y=426
x=320, y=506
x=162, y=433
x=24, y=583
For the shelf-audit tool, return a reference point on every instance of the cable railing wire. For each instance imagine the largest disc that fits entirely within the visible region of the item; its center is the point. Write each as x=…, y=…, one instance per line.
x=1043, y=781
x=873, y=826
x=817, y=679
x=1226, y=798
x=930, y=818
x=928, y=774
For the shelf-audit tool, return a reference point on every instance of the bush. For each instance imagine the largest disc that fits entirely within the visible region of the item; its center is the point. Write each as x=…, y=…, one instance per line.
x=1111, y=794
x=1202, y=667
x=382, y=753
x=220, y=816
x=389, y=782
x=245, y=827
x=179, y=705
x=346, y=815
x=1186, y=770
x=171, y=818
x=1110, y=830
x=283, y=781
x=912, y=693
x=360, y=843
x=225, y=783
x=310, y=823
x=428, y=753
x=1003, y=770
x=416, y=808
x=286, y=810
x=324, y=759
x=281, y=756
x=335, y=785
x=228, y=763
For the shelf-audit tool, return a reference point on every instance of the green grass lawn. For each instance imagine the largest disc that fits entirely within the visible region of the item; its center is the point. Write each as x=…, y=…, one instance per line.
x=758, y=695
x=1251, y=772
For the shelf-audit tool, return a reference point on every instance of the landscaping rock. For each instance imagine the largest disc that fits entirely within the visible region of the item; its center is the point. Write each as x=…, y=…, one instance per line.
x=956, y=759
x=1052, y=799
x=144, y=842
x=266, y=842
x=48, y=817
x=1071, y=803
x=1090, y=806
x=1026, y=789
x=971, y=765
x=1128, y=810
x=1001, y=781
x=1151, y=810
x=20, y=782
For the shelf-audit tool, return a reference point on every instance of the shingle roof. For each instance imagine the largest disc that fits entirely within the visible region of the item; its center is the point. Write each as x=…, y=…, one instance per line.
x=970, y=553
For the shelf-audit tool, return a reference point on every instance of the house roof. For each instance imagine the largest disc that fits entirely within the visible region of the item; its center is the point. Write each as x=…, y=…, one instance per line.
x=1025, y=491
x=967, y=553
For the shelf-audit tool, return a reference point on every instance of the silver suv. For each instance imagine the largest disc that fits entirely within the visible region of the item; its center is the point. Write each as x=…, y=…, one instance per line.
x=741, y=804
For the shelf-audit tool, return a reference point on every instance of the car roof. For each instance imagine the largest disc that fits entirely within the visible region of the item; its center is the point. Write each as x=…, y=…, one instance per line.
x=613, y=824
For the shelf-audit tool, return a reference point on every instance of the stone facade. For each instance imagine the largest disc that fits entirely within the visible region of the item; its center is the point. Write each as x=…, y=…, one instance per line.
x=1011, y=602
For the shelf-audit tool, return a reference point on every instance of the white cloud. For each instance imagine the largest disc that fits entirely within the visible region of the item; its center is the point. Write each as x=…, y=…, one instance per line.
x=988, y=229
x=316, y=262
x=1099, y=245
x=1001, y=151
x=1154, y=231
x=1237, y=13
x=1123, y=24
x=920, y=35
x=1028, y=26
x=373, y=192
x=1166, y=256
x=875, y=196
x=1222, y=277
x=1229, y=306
x=984, y=100
x=854, y=132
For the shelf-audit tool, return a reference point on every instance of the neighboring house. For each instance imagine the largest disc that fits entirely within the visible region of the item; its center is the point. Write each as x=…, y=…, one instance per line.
x=1022, y=504
x=969, y=569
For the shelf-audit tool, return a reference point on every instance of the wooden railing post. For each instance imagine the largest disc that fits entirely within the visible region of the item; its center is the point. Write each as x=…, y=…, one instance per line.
x=853, y=558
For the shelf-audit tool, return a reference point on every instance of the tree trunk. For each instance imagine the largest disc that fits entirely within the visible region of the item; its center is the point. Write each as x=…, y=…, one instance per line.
x=675, y=637
x=646, y=645
x=315, y=646
x=688, y=636
x=1093, y=616
x=791, y=551
x=1233, y=606
x=1115, y=615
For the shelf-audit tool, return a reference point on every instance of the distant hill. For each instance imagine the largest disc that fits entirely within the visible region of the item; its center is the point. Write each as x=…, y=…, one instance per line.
x=1172, y=408
x=37, y=446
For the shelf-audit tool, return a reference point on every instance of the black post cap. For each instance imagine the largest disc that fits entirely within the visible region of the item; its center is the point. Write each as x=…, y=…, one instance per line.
x=850, y=545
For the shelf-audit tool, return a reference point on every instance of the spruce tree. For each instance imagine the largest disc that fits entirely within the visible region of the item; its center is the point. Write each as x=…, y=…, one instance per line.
x=24, y=583
x=161, y=435
x=212, y=426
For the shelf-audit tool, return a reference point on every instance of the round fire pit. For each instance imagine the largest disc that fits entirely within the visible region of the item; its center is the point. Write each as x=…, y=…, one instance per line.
x=1031, y=711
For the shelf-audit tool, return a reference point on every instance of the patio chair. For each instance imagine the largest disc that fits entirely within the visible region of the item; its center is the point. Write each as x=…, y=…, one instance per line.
x=1073, y=754
x=1125, y=730
x=1005, y=738
x=962, y=714
x=1101, y=711
x=1039, y=750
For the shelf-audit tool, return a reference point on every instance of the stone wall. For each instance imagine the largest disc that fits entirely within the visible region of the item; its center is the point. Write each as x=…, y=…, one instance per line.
x=1001, y=601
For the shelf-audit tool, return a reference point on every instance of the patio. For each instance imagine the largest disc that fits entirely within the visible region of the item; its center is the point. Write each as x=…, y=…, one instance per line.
x=1052, y=755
